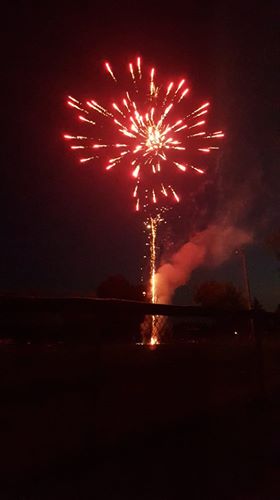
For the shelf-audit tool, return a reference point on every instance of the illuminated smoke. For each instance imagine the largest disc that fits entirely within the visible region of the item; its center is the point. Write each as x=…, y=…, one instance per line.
x=212, y=247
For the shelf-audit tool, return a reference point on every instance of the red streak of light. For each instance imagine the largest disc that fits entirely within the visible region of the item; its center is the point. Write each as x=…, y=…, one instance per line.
x=180, y=85
x=198, y=124
x=169, y=87
x=135, y=172
x=180, y=166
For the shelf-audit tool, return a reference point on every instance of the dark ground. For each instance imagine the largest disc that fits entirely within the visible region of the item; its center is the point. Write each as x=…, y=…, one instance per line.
x=123, y=421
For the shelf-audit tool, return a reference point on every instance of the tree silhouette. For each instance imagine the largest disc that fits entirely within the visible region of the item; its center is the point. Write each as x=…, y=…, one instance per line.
x=219, y=296
x=257, y=306
x=118, y=287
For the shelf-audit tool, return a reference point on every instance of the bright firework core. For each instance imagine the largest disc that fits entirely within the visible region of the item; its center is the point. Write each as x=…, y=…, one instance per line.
x=156, y=139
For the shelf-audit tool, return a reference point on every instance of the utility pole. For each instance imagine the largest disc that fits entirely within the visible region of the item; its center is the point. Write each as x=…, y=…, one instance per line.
x=240, y=251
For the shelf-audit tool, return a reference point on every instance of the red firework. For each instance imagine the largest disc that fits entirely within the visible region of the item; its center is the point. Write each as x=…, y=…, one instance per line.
x=147, y=136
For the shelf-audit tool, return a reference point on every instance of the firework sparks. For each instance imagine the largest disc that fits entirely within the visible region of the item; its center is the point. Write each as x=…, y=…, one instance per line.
x=140, y=114
x=110, y=71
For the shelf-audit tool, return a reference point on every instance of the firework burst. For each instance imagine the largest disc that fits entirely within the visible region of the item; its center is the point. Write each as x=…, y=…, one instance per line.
x=151, y=133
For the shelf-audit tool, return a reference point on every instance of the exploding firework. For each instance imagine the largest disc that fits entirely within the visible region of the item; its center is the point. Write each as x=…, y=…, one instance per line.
x=152, y=134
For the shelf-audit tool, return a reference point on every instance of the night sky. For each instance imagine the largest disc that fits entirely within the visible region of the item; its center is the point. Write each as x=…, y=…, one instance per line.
x=65, y=227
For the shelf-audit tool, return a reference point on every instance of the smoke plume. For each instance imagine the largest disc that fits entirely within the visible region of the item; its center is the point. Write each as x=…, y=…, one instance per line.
x=212, y=246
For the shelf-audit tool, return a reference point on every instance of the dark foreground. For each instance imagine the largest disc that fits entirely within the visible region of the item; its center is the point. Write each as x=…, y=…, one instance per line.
x=192, y=420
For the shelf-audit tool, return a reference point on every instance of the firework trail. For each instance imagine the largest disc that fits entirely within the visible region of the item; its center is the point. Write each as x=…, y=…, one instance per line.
x=152, y=135
x=151, y=224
